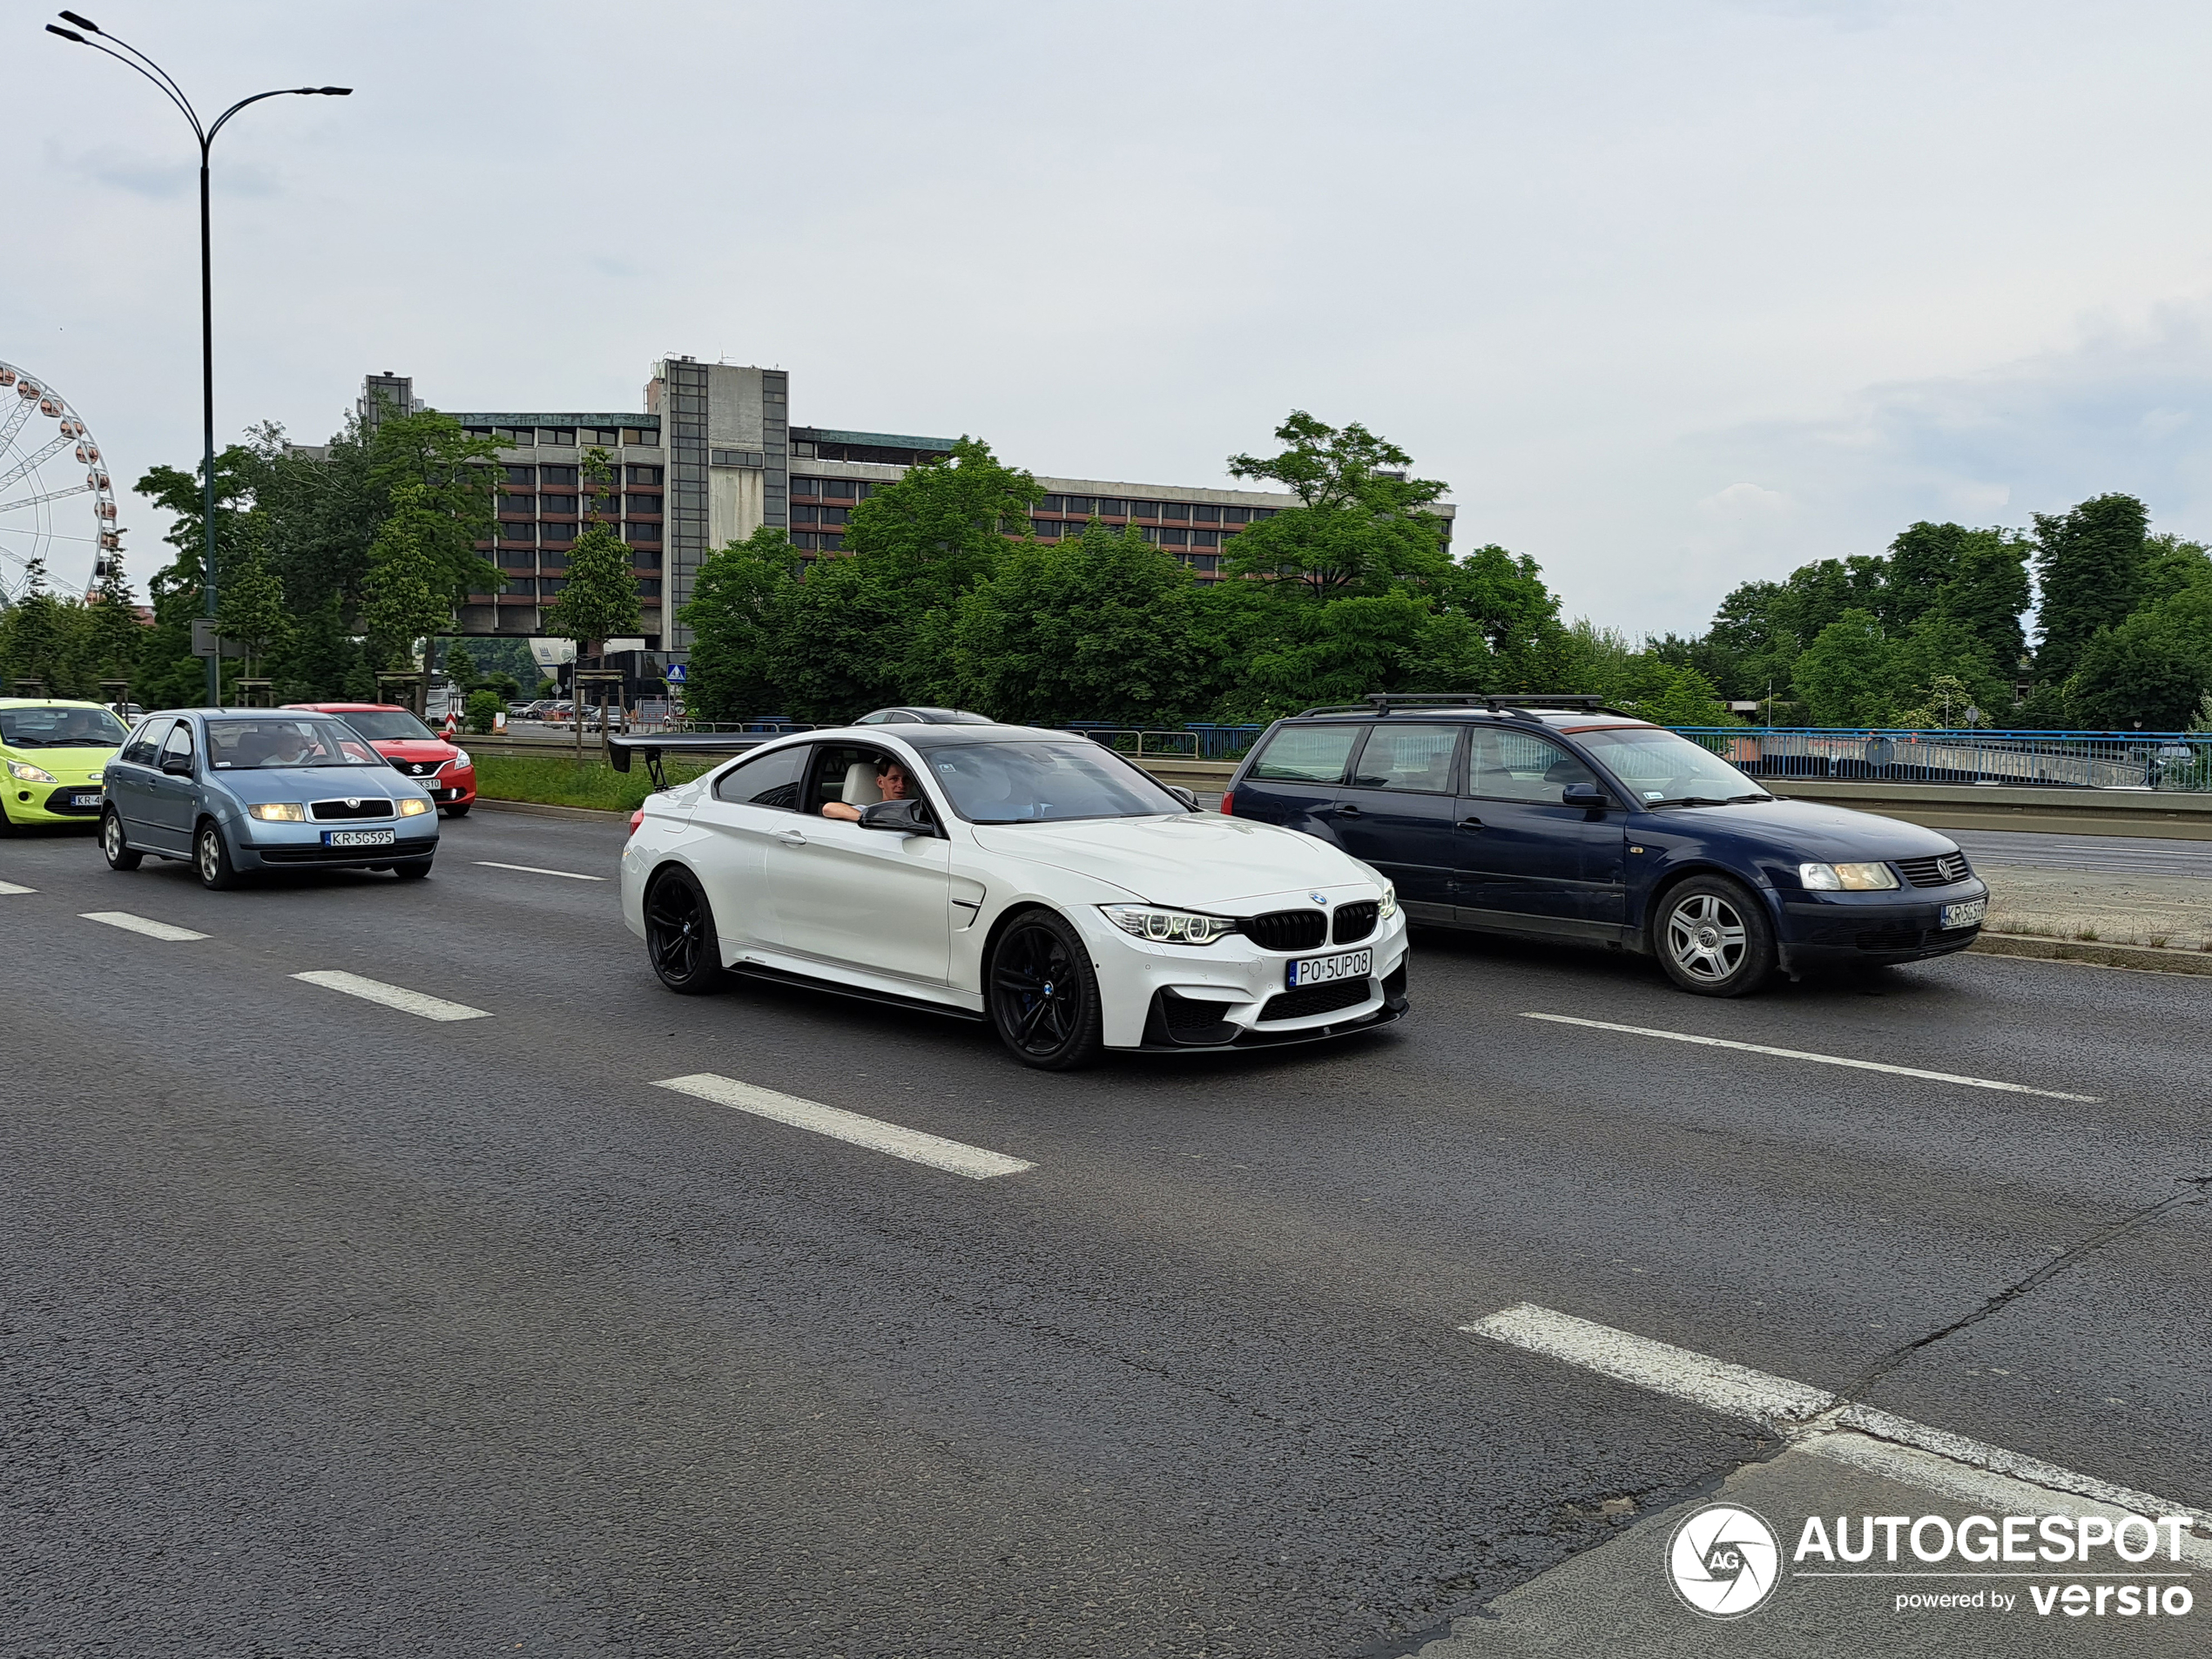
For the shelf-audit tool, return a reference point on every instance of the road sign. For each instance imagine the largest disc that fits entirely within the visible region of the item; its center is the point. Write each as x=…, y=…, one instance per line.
x=677, y=674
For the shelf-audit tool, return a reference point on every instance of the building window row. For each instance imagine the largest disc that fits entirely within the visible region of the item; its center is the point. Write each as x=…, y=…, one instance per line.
x=568, y=437
x=832, y=488
x=515, y=505
x=802, y=513
x=1183, y=511
x=809, y=542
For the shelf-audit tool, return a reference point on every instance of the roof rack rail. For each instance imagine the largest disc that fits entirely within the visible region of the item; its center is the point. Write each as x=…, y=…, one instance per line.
x=1496, y=702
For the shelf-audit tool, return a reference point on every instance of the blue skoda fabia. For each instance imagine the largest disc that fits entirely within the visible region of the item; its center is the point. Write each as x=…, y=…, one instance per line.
x=241, y=790
x=1555, y=818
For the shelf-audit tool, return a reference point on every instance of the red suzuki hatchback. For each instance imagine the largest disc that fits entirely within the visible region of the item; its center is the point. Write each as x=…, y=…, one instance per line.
x=442, y=768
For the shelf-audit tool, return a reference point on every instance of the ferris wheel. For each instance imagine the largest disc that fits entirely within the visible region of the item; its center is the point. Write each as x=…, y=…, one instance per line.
x=48, y=461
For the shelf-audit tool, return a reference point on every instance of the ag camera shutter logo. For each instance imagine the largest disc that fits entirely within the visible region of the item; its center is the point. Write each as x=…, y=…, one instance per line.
x=1723, y=1562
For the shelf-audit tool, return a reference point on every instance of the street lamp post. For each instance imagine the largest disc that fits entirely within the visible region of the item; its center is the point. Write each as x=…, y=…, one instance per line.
x=133, y=57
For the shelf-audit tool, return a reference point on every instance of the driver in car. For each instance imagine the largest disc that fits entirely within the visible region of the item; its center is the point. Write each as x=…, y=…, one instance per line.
x=891, y=785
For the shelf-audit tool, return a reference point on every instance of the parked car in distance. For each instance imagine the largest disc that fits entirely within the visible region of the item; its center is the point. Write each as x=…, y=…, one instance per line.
x=1555, y=818
x=923, y=716
x=1029, y=877
x=236, y=790
x=54, y=753
x=438, y=763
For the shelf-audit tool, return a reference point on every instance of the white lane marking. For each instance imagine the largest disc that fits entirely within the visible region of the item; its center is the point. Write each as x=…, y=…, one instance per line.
x=9, y=887
x=1816, y=1420
x=1817, y=1059
x=531, y=869
x=131, y=924
x=912, y=1144
x=392, y=996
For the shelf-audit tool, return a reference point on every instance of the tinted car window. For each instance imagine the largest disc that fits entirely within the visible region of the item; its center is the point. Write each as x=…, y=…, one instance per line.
x=1506, y=765
x=1659, y=765
x=145, y=743
x=1408, y=757
x=1306, y=754
x=179, y=741
x=835, y=770
x=1043, y=781
x=766, y=781
x=59, y=728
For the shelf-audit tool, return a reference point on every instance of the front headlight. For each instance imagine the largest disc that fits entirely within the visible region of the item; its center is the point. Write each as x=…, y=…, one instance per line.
x=1845, y=878
x=1169, y=926
x=413, y=807
x=460, y=759
x=1389, y=900
x=23, y=773
x=278, y=811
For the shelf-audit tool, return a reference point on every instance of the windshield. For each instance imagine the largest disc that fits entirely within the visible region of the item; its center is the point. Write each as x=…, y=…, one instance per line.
x=61, y=729
x=1661, y=768
x=239, y=745
x=1044, y=782
x=386, y=725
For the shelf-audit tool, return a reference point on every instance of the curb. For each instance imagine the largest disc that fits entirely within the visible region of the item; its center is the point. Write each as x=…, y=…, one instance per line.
x=2096, y=955
x=588, y=814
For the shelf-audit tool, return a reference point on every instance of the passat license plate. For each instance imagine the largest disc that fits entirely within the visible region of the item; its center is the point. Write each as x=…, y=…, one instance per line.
x=357, y=838
x=93, y=800
x=1966, y=913
x=1320, y=970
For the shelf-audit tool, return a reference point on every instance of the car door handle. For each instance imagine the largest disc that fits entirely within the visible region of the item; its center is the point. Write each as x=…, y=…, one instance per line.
x=792, y=838
x=1470, y=823
x=1350, y=812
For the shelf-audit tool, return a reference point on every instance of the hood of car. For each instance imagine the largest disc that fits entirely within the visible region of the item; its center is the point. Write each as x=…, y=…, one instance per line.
x=1198, y=861
x=1812, y=829
x=252, y=785
x=66, y=762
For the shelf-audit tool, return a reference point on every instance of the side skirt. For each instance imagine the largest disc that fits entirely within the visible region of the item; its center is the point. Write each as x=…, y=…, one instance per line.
x=889, y=998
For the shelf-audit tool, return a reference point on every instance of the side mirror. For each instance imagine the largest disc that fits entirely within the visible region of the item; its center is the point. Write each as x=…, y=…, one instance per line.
x=1188, y=797
x=177, y=765
x=1587, y=796
x=900, y=817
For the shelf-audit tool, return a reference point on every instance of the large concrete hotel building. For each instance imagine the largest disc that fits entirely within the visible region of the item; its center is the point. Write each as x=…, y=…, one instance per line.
x=712, y=456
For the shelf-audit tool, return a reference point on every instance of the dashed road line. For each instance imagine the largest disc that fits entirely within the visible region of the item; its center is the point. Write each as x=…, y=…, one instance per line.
x=1817, y=1059
x=9, y=887
x=913, y=1145
x=392, y=996
x=532, y=869
x=131, y=924
x=1816, y=1421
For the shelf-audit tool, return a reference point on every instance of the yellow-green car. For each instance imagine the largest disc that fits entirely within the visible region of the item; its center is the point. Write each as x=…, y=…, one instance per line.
x=53, y=753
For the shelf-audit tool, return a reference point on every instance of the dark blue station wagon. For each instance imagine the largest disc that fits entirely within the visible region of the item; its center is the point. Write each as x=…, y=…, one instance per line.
x=1555, y=818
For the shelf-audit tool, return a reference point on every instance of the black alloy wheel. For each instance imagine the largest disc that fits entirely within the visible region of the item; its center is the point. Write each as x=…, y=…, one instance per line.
x=680, y=935
x=1712, y=936
x=211, y=857
x=1044, y=994
x=115, y=847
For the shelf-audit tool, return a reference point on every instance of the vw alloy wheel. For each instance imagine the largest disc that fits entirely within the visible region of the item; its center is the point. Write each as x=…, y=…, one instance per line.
x=1714, y=938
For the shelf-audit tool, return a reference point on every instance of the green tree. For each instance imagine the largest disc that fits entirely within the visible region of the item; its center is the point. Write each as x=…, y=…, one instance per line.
x=1844, y=675
x=409, y=595
x=1672, y=696
x=1095, y=627
x=1361, y=523
x=118, y=634
x=481, y=710
x=461, y=670
x=736, y=611
x=2151, y=671
x=2089, y=561
x=838, y=640
x=250, y=608
x=599, y=600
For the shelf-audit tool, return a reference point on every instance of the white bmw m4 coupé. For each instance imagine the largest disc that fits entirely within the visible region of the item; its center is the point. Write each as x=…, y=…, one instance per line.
x=1030, y=878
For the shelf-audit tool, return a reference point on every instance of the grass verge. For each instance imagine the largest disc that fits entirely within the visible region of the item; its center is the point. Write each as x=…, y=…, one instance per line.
x=564, y=783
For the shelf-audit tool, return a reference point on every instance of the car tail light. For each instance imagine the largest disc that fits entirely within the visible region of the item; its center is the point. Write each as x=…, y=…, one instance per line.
x=635, y=819
x=1226, y=801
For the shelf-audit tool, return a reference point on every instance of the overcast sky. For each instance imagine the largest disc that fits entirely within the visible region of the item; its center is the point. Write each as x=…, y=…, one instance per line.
x=1672, y=295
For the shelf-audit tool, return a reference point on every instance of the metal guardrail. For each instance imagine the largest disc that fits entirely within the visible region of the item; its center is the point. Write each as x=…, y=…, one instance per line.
x=2180, y=761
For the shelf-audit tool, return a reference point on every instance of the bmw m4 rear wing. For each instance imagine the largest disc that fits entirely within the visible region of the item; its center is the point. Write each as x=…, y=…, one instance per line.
x=703, y=746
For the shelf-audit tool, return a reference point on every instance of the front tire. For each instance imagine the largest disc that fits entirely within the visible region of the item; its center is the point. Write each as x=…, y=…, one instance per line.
x=680, y=939
x=413, y=871
x=116, y=846
x=1044, y=994
x=211, y=858
x=1713, y=937
x=459, y=809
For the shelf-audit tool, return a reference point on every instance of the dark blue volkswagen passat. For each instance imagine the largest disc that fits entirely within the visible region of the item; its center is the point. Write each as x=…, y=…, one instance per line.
x=238, y=789
x=1555, y=818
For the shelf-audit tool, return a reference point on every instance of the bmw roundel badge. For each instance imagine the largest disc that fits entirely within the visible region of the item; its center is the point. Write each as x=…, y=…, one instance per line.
x=1321, y=899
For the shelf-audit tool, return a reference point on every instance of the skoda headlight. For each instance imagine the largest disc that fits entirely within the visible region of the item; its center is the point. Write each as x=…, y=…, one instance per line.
x=1845, y=878
x=461, y=761
x=413, y=807
x=1169, y=926
x=1389, y=902
x=278, y=811
x=23, y=773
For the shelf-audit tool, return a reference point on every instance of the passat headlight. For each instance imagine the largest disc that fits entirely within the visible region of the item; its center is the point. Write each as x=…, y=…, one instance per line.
x=1169, y=926
x=23, y=773
x=1389, y=902
x=413, y=807
x=278, y=811
x=1845, y=878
